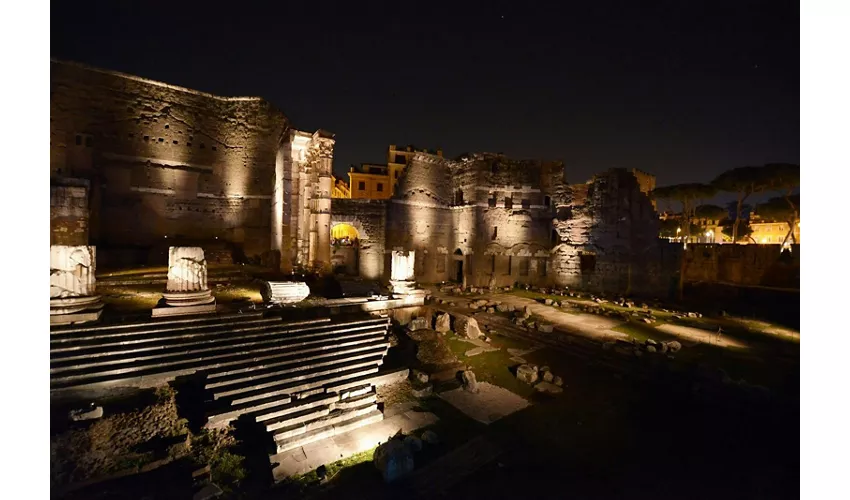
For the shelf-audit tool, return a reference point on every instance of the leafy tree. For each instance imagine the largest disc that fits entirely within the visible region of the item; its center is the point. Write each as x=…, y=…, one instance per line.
x=743, y=181
x=785, y=178
x=784, y=208
x=712, y=212
x=667, y=228
x=689, y=196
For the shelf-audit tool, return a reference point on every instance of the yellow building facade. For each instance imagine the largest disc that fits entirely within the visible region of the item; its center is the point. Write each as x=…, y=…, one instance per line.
x=377, y=182
x=768, y=233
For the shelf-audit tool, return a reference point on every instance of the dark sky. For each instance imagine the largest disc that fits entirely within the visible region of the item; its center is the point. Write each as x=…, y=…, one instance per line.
x=683, y=89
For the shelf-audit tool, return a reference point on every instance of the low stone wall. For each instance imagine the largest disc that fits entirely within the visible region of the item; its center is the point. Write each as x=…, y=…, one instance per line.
x=750, y=265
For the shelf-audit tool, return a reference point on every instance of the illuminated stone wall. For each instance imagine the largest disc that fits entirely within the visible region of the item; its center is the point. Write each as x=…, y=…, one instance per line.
x=368, y=218
x=450, y=211
x=165, y=161
x=608, y=238
x=69, y=212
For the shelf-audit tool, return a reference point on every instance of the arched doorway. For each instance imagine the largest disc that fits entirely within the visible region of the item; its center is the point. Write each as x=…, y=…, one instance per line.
x=457, y=270
x=345, y=249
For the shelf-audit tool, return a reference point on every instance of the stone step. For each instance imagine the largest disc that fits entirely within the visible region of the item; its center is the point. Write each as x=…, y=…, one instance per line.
x=313, y=380
x=334, y=417
x=298, y=417
x=270, y=362
x=370, y=395
x=281, y=374
x=79, y=341
x=201, y=344
x=118, y=326
x=329, y=431
x=140, y=339
x=286, y=413
x=221, y=360
x=186, y=366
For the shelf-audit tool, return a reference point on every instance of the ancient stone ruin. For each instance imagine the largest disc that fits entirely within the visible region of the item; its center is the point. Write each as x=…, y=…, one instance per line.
x=72, y=285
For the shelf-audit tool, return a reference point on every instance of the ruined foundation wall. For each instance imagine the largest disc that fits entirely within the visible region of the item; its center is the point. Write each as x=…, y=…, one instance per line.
x=761, y=265
x=368, y=217
x=167, y=161
x=608, y=238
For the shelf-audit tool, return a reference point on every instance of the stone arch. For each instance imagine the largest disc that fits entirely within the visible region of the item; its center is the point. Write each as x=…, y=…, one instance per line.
x=351, y=221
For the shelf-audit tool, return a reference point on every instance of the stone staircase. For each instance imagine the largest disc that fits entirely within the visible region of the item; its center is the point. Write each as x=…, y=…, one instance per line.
x=303, y=380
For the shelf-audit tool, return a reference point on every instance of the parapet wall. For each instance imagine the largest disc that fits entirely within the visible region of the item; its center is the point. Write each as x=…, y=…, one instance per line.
x=751, y=265
x=164, y=161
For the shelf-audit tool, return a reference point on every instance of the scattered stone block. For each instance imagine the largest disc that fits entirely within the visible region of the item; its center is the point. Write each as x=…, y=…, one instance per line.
x=418, y=323
x=467, y=327
x=470, y=384
x=673, y=346
x=393, y=460
x=82, y=414
x=548, y=387
x=527, y=374
x=545, y=328
x=423, y=391
x=443, y=323
x=419, y=376
x=547, y=376
x=430, y=437
x=558, y=381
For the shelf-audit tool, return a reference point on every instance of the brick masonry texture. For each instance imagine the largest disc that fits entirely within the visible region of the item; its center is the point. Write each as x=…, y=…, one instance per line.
x=163, y=160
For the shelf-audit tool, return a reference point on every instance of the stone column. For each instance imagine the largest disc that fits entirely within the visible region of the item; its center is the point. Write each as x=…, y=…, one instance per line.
x=402, y=274
x=323, y=223
x=186, y=290
x=72, y=285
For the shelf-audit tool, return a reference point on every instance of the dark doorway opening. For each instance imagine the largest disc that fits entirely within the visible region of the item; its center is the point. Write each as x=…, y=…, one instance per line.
x=459, y=271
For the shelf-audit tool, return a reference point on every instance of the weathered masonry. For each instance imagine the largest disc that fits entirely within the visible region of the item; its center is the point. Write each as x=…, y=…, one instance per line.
x=159, y=164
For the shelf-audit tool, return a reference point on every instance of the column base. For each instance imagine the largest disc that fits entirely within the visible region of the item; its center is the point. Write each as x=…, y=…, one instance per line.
x=406, y=288
x=71, y=310
x=185, y=303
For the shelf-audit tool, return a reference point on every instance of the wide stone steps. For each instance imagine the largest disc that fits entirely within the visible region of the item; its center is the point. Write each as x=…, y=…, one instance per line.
x=275, y=400
x=203, y=344
x=299, y=380
x=348, y=422
x=186, y=322
x=82, y=341
x=230, y=347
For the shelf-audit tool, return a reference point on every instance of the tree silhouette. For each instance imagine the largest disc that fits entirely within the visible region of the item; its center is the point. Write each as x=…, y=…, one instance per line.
x=743, y=181
x=689, y=196
x=784, y=208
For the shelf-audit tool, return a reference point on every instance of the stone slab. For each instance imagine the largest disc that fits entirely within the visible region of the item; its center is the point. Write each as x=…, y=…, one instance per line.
x=305, y=458
x=487, y=406
x=170, y=311
x=75, y=318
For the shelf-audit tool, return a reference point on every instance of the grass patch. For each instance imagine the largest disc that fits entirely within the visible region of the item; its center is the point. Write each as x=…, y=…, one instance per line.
x=492, y=367
x=643, y=331
x=333, y=469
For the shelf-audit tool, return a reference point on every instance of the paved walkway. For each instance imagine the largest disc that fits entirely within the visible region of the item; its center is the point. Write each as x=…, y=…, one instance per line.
x=592, y=326
x=488, y=405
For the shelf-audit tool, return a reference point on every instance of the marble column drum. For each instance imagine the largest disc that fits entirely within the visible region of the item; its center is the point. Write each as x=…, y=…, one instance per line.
x=72, y=285
x=186, y=291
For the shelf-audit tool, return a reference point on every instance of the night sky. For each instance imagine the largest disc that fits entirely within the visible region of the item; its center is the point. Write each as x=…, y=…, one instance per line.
x=682, y=89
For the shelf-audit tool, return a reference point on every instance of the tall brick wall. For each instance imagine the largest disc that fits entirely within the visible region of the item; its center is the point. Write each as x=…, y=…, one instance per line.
x=69, y=212
x=455, y=211
x=164, y=161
